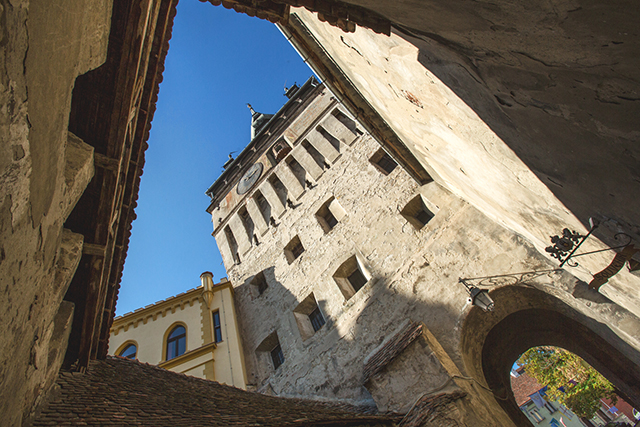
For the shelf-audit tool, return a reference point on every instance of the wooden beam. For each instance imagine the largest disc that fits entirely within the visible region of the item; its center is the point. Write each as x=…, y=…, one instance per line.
x=93, y=249
x=105, y=162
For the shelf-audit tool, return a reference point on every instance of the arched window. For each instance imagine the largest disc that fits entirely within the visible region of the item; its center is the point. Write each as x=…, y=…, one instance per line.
x=129, y=352
x=176, y=342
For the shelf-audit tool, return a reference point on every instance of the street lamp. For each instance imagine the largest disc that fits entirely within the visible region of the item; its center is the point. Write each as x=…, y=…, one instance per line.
x=478, y=297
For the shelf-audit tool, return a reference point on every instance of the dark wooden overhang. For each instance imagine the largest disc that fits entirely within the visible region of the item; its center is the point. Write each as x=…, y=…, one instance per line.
x=335, y=12
x=112, y=108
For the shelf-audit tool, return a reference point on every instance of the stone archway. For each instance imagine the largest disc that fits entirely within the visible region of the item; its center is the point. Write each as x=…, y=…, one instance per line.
x=526, y=317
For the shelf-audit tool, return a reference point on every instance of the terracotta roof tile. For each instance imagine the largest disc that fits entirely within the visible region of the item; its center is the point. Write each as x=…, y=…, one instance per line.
x=118, y=391
x=524, y=386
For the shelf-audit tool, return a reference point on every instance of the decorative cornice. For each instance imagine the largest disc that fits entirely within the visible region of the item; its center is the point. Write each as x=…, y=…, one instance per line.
x=189, y=355
x=152, y=310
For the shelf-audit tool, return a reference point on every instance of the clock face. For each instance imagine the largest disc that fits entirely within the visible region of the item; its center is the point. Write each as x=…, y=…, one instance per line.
x=249, y=178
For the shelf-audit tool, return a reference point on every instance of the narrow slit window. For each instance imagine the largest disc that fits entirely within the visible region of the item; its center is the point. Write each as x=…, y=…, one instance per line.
x=315, y=154
x=347, y=122
x=233, y=245
x=280, y=189
x=263, y=204
x=217, y=329
x=247, y=222
x=298, y=171
x=335, y=142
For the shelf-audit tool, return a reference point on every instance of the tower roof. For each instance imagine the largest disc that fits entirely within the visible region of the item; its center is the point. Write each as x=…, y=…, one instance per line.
x=258, y=120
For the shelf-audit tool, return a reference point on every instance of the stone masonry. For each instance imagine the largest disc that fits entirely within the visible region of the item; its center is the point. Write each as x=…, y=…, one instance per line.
x=410, y=242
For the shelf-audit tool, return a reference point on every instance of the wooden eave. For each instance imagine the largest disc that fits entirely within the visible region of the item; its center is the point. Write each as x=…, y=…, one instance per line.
x=112, y=109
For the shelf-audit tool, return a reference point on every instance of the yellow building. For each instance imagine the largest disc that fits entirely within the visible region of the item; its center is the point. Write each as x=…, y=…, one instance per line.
x=194, y=333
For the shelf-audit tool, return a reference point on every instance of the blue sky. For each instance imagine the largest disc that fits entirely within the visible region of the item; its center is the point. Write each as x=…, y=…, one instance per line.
x=218, y=61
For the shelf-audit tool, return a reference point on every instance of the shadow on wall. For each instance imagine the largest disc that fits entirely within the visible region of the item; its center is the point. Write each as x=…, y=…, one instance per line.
x=562, y=95
x=330, y=362
x=337, y=349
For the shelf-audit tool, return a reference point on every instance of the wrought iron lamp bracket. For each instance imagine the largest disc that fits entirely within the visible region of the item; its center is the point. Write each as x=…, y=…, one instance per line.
x=567, y=243
x=565, y=246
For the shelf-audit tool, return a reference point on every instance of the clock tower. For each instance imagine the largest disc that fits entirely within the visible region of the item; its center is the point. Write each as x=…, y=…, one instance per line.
x=288, y=152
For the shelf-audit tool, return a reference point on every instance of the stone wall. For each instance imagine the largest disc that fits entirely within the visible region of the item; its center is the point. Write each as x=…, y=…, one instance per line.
x=411, y=274
x=44, y=170
x=439, y=108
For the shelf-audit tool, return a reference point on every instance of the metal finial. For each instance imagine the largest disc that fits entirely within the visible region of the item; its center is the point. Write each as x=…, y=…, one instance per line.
x=251, y=108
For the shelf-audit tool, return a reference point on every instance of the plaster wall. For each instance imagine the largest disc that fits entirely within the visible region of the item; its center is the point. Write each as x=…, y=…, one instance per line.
x=464, y=154
x=228, y=356
x=149, y=329
x=43, y=171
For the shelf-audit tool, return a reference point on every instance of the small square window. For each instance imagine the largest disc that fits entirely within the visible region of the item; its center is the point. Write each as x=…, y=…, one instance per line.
x=259, y=281
x=277, y=356
x=357, y=279
x=417, y=213
x=270, y=348
x=329, y=214
x=293, y=249
x=383, y=162
x=308, y=317
x=351, y=276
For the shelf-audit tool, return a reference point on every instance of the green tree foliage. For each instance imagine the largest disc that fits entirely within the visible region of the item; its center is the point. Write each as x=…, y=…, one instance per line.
x=582, y=386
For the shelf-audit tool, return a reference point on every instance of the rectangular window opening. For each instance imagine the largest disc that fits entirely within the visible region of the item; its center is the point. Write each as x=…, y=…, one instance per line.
x=217, y=329
x=351, y=276
x=329, y=214
x=417, y=213
x=316, y=318
x=293, y=249
x=357, y=279
x=308, y=317
x=277, y=356
x=259, y=281
x=383, y=162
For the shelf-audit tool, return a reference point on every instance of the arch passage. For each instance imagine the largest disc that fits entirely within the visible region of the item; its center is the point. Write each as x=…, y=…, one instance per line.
x=552, y=323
